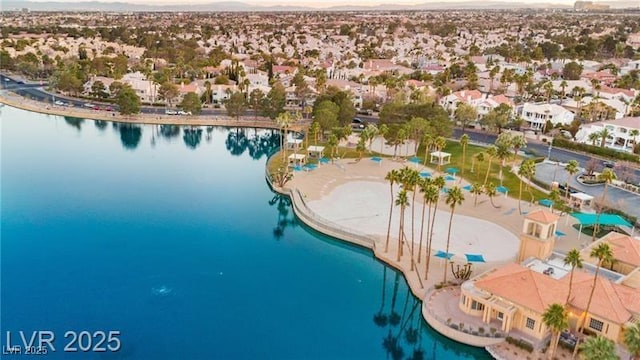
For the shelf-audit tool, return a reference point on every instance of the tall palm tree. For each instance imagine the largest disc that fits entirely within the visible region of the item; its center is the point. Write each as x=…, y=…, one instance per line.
x=491, y=152
x=284, y=121
x=383, y=130
x=563, y=86
x=604, y=254
x=594, y=137
x=431, y=195
x=573, y=259
x=598, y=348
x=477, y=190
x=423, y=185
x=454, y=198
x=403, y=201
x=548, y=88
x=607, y=176
x=479, y=157
x=524, y=172
x=491, y=192
x=632, y=339
x=634, y=133
x=392, y=177
x=427, y=140
x=572, y=168
x=604, y=135
x=556, y=318
x=464, y=141
x=517, y=143
x=411, y=180
x=440, y=142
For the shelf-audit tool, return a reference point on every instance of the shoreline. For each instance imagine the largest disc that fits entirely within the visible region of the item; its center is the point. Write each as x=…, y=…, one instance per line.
x=17, y=101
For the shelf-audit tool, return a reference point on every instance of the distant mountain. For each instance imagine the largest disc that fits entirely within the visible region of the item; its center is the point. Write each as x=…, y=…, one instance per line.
x=9, y=5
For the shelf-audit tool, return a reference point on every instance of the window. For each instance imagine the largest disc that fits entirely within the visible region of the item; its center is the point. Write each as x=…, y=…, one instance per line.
x=476, y=305
x=531, y=323
x=551, y=232
x=534, y=229
x=463, y=299
x=500, y=316
x=596, y=325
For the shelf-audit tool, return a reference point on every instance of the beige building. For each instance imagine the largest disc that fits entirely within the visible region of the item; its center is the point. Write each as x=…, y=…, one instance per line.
x=514, y=297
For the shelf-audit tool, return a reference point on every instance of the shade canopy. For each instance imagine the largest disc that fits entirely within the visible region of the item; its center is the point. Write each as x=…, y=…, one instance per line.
x=546, y=202
x=425, y=174
x=414, y=159
x=376, y=159
x=444, y=255
x=474, y=258
x=324, y=160
x=605, y=219
x=452, y=170
x=502, y=189
x=560, y=233
x=449, y=178
x=468, y=187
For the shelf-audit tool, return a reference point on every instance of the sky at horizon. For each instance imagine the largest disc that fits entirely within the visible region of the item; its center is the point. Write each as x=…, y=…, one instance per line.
x=311, y=3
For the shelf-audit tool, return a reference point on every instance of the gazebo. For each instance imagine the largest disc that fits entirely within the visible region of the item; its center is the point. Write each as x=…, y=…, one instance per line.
x=440, y=158
x=297, y=159
x=315, y=151
x=580, y=201
x=294, y=144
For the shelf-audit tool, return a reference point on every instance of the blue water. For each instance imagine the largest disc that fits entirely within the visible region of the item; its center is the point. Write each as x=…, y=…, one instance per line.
x=171, y=236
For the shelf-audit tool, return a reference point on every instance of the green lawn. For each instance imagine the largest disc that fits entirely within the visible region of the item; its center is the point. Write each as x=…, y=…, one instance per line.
x=510, y=180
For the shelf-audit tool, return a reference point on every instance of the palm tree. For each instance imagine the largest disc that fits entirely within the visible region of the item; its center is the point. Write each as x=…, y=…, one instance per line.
x=632, y=339
x=431, y=195
x=517, y=142
x=604, y=135
x=402, y=201
x=454, y=198
x=479, y=157
x=383, y=130
x=332, y=141
x=524, y=172
x=423, y=185
x=594, y=137
x=634, y=134
x=548, y=88
x=598, y=348
x=427, y=140
x=439, y=143
x=491, y=152
x=607, y=176
x=411, y=181
x=556, y=318
x=464, y=141
x=604, y=254
x=573, y=259
x=491, y=192
x=284, y=121
x=392, y=177
x=572, y=168
x=563, y=86
x=314, y=131
x=477, y=190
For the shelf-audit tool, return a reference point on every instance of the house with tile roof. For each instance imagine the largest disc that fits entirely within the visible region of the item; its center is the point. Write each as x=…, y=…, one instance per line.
x=621, y=133
x=514, y=297
x=537, y=115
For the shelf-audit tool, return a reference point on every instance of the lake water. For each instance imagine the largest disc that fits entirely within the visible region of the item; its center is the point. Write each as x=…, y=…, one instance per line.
x=172, y=237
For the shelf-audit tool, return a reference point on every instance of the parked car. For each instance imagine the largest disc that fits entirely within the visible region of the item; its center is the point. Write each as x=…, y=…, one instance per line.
x=358, y=124
x=60, y=103
x=109, y=108
x=171, y=112
x=89, y=105
x=181, y=112
x=608, y=164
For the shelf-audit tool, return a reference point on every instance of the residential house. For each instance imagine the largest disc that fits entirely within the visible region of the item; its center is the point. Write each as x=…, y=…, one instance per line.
x=537, y=115
x=451, y=101
x=621, y=135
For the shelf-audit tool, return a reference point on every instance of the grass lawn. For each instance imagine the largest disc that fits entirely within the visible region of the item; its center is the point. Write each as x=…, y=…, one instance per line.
x=509, y=180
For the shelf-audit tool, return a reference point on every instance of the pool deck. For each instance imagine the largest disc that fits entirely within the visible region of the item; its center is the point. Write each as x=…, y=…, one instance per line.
x=359, y=188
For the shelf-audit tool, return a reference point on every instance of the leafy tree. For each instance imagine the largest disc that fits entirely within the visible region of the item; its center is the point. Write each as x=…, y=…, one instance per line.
x=465, y=114
x=99, y=90
x=498, y=117
x=236, y=105
x=326, y=114
x=273, y=103
x=168, y=92
x=128, y=101
x=256, y=99
x=572, y=71
x=191, y=103
x=115, y=87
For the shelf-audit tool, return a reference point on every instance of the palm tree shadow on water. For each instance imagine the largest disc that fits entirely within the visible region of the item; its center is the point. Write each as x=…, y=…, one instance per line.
x=286, y=218
x=74, y=122
x=260, y=143
x=192, y=137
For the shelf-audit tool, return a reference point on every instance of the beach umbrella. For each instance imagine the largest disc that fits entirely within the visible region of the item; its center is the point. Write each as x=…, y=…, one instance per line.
x=414, y=159
x=546, y=202
x=449, y=178
x=452, y=170
x=444, y=255
x=560, y=233
x=324, y=160
x=468, y=187
x=425, y=174
x=502, y=189
x=474, y=258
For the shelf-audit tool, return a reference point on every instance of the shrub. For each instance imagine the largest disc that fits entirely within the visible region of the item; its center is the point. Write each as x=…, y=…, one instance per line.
x=454, y=326
x=520, y=343
x=596, y=150
x=481, y=330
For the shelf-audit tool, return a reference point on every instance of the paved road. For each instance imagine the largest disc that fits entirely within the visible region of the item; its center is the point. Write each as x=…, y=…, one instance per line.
x=540, y=149
x=37, y=92
x=618, y=198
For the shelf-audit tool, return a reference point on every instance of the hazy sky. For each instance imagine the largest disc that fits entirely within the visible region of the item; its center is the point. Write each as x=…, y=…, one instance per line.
x=314, y=3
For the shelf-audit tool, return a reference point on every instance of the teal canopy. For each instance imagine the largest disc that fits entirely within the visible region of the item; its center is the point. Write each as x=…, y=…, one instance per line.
x=605, y=219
